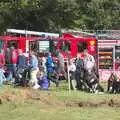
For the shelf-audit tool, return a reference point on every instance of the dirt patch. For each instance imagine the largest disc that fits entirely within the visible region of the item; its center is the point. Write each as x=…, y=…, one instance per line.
x=103, y=103
x=50, y=99
x=30, y=96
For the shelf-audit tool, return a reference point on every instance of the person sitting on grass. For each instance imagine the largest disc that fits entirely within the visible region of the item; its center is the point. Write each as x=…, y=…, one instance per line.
x=8, y=74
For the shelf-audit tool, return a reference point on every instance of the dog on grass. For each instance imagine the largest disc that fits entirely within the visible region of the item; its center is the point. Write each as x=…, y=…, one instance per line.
x=113, y=84
x=91, y=82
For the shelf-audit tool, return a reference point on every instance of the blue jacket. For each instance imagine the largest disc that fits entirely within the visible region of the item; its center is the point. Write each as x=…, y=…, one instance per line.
x=49, y=64
x=49, y=61
x=33, y=62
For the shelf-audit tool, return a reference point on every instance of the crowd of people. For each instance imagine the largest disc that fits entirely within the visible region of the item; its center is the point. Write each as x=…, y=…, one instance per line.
x=31, y=69
x=21, y=68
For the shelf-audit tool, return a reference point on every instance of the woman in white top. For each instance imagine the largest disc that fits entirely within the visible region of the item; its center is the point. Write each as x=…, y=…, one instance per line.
x=72, y=69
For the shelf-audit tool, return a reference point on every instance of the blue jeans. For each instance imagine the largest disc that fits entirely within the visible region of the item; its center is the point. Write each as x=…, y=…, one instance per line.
x=9, y=77
x=14, y=68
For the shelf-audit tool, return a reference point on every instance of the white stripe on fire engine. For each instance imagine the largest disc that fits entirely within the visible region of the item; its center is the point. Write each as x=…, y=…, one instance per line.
x=107, y=41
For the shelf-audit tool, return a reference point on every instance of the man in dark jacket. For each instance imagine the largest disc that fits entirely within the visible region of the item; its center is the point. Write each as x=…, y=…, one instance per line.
x=22, y=61
x=22, y=65
x=79, y=71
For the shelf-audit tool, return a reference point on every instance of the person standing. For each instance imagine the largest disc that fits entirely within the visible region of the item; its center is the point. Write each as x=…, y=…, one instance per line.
x=14, y=58
x=44, y=64
x=33, y=64
x=7, y=56
x=72, y=69
x=2, y=59
x=89, y=62
x=61, y=64
x=51, y=73
x=22, y=64
x=2, y=64
x=79, y=73
x=22, y=60
x=2, y=76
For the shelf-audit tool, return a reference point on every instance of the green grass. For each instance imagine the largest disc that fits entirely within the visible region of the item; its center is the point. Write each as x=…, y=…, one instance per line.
x=34, y=111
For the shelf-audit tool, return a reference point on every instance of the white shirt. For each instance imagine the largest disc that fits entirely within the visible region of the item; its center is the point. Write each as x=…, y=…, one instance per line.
x=72, y=67
x=89, y=62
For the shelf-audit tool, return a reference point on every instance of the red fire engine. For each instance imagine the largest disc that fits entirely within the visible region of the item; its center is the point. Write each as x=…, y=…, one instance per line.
x=67, y=43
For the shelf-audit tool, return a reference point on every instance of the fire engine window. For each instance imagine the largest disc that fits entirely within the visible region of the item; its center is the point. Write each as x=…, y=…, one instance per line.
x=44, y=46
x=1, y=44
x=65, y=45
x=82, y=46
x=53, y=46
x=34, y=45
x=13, y=43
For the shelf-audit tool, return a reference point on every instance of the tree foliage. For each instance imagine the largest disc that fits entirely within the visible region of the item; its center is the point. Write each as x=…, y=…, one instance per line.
x=54, y=15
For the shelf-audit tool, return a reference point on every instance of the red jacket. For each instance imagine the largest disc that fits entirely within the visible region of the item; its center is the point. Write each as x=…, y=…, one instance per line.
x=14, y=56
x=2, y=59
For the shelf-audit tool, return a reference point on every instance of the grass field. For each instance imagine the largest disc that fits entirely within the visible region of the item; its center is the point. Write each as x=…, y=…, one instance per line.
x=51, y=105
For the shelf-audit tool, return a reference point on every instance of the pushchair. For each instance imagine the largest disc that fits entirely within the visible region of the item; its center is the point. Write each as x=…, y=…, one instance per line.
x=20, y=78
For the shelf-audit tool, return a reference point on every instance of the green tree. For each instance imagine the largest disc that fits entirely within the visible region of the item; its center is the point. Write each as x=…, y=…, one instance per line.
x=98, y=14
x=54, y=15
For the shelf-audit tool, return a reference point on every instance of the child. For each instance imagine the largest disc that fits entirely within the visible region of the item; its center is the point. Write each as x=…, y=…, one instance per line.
x=2, y=76
x=8, y=74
